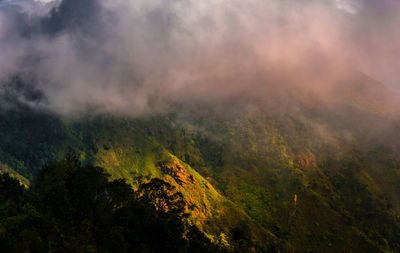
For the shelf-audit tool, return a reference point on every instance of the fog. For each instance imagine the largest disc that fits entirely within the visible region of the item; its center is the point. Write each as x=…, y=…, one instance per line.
x=137, y=57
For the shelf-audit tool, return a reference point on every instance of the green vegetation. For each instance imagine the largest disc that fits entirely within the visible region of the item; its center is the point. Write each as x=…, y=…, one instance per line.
x=240, y=172
x=73, y=208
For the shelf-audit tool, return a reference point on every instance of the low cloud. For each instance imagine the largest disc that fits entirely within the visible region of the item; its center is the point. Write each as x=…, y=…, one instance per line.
x=141, y=56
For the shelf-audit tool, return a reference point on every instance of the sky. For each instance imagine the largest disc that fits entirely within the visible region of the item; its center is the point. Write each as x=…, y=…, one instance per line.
x=140, y=56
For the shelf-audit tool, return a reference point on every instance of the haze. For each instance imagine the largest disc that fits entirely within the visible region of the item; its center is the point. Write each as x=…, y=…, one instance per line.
x=141, y=56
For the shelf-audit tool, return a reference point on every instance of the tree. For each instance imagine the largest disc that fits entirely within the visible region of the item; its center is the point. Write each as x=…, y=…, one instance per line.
x=163, y=196
x=75, y=208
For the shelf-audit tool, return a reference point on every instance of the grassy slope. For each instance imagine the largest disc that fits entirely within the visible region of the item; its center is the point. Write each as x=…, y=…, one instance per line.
x=135, y=158
x=245, y=166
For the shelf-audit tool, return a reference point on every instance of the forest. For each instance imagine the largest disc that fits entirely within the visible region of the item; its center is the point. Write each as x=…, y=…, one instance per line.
x=74, y=208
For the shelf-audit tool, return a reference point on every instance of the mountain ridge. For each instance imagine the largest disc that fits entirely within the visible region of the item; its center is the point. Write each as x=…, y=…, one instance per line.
x=322, y=176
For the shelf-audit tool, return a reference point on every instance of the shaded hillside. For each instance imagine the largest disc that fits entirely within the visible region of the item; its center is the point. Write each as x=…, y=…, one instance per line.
x=320, y=177
x=73, y=208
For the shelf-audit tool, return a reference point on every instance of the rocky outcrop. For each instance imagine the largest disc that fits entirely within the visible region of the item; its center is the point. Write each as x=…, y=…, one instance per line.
x=177, y=171
x=307, y=161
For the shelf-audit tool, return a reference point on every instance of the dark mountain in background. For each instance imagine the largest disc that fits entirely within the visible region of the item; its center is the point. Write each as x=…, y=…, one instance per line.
x=320, y=177
x=238, y=126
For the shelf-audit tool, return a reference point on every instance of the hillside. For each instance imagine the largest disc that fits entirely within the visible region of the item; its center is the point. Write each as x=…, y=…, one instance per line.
x=199, y=126
x=315, y=179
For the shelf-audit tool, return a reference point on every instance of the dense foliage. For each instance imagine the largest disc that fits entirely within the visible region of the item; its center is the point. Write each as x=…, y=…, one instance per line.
x=73, y=208
x=238, y=172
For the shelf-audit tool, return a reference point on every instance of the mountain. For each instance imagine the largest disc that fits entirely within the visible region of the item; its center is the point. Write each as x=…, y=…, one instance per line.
x=317, y=176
